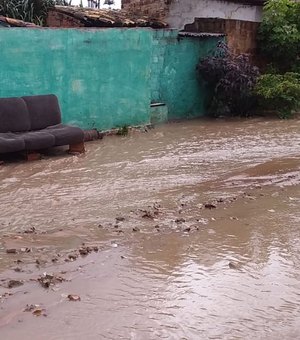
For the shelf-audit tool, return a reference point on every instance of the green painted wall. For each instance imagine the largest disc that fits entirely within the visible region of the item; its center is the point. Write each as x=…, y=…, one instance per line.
x=178, y=85
x=104, y=78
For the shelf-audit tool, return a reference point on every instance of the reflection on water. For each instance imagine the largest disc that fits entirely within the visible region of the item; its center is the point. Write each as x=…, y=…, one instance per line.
x=171, y=280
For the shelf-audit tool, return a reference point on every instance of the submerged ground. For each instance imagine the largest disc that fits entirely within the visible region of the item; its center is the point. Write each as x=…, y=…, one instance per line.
x=193, y=229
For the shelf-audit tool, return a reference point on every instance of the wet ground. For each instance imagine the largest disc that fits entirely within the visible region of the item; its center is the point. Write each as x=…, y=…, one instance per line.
x=190, y=231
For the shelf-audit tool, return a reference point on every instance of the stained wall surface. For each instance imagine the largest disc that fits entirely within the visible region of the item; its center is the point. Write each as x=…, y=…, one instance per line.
x=105, y=78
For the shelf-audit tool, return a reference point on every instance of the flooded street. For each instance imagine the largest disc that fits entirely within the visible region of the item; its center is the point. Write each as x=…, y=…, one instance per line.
x=194, y=229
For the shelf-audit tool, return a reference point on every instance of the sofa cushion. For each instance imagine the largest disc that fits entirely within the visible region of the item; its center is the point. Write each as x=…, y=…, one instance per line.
x=37, y=140
x=11, y=143
x=65, y=134
x=43, y=111
x=14, y=115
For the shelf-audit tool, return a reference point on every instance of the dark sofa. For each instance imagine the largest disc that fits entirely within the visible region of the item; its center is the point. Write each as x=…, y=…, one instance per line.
x=33, y=123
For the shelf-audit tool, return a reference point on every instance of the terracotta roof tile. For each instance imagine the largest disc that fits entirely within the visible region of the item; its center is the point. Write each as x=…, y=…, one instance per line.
x=108, y=18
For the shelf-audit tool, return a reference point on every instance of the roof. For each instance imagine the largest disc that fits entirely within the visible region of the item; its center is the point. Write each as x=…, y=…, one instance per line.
x=200, y=34
x=9, y=22
x=108, y=18
x=249, y=2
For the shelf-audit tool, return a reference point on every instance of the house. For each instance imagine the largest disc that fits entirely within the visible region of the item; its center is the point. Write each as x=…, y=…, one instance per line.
x=238, y=19
x=72, y=17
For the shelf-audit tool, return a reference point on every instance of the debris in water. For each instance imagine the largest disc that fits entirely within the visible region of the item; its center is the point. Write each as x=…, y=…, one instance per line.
x=47, y=280
x=25, y=250
x=14, y=283
x=147, y=214
x=30, y=308
x=83, y=251
x=31, y=230
x=39, y=312
x=17, y=269
x=72, y=257
x=180, y=220
x=11, y=251
x=120, y=219
x=135, y=229
x=210, y=206
x=233, y=265
x=72, y=297
x=36, y=310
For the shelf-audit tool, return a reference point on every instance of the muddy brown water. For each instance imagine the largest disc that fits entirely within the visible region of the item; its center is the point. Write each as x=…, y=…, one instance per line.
x=172, y=269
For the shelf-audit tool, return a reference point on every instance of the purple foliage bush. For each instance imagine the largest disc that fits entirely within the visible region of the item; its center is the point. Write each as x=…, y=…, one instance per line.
x=231, y=80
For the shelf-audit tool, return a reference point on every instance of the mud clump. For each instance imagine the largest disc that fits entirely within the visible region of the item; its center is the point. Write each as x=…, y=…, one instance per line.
x=85, y=250
x=36, y=310
x=48, y=280
x=14, y=283
x=210, y=206
x=73, y=297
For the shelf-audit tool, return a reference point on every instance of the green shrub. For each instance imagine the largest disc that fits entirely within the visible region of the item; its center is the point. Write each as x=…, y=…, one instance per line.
x=35, y=11
x=279, y=34
x=280, y=93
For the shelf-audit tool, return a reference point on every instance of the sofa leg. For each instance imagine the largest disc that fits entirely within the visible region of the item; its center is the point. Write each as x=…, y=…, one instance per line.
x=33, y=156
x=76, y=148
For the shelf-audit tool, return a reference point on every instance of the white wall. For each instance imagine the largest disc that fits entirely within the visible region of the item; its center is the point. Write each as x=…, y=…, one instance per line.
x=184, y=12
x=85, y=3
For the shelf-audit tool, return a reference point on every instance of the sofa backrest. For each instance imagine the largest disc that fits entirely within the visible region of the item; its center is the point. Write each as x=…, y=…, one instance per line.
x=14, y=115
x=43, y=111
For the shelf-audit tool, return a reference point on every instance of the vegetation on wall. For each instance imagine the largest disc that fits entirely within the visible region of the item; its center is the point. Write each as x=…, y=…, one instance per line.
x=34, y=11
x=231, y=80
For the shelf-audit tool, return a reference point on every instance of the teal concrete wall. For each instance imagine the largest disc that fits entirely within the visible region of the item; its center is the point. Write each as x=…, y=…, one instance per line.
x=104, y=78
x=174, y=80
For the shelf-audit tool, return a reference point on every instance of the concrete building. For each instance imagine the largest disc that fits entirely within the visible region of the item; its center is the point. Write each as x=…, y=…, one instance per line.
x=238, y=19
